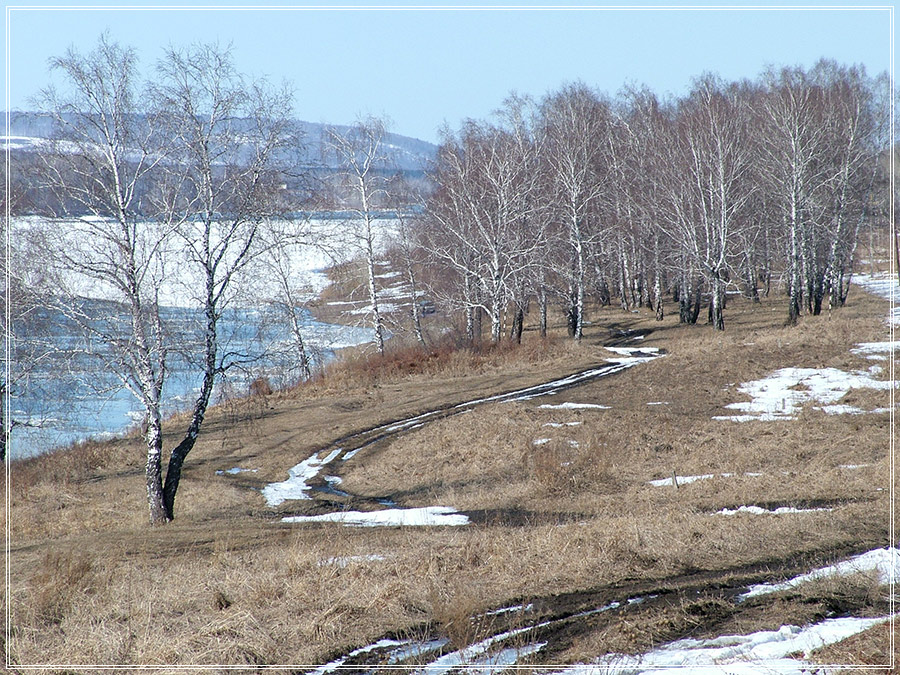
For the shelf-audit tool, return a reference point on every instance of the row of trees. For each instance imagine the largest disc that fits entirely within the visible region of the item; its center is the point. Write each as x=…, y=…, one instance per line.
x=733, y=185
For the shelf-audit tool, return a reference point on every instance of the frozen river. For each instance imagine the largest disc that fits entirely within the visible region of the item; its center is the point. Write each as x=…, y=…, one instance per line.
x=68, y=397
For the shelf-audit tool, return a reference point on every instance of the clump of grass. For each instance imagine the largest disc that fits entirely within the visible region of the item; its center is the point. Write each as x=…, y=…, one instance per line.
x=567, y=466
x=58, y=582
x=455, y=612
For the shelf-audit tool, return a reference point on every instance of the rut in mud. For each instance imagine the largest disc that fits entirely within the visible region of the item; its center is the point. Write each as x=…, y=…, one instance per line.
x=537, y=630
x=317, y=477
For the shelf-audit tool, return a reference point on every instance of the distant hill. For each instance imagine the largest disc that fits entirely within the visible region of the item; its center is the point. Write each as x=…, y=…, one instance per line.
x=410, y=155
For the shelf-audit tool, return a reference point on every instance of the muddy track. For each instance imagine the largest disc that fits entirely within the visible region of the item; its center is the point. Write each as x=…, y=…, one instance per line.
x=709, y=598
x=347, y=447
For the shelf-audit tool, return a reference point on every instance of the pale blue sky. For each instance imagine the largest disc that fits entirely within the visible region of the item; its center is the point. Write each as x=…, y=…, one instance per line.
x=423, y=68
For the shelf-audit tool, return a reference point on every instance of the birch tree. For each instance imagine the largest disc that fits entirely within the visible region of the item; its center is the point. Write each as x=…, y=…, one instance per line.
x=227, y=138
x=96, y=169
x=361, y=155
x=574, y=127
x=712, y=185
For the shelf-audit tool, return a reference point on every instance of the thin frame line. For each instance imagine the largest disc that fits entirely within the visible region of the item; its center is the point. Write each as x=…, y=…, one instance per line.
x=389, y=8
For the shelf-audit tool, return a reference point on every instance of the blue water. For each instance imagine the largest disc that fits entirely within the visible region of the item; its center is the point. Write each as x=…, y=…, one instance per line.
x=71, y=395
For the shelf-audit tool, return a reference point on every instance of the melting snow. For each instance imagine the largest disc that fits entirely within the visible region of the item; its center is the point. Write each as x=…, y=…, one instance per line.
x=777, y=397
x=424, y=516
x=630, y=351
x=473, y=654
x=334, y=665
x=234, y=470
x=506, y=610
x=556, y=425
x=682, y=480
x=876, y=351
x=573, y=406
x=885, y=562
x=296, y=486
x=882, y=285
x=764, y=651
x=758, y=510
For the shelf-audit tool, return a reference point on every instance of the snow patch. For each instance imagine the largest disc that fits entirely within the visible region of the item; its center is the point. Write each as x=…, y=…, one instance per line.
x=763, y=651
x=417, y=517
x=235, y=470
x=573, y=406
x=781, y=394
x=296, y=486
x=885, y=562
x=682, y=480
x=758, y=510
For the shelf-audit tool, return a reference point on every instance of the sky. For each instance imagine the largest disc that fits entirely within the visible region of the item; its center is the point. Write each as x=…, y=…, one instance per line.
x=424, y=67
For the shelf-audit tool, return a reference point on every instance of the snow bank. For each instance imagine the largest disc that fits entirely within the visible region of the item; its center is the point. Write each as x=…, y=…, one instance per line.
x=424, y=516
x=885, y=562
x=777, y=396
x=751, y=654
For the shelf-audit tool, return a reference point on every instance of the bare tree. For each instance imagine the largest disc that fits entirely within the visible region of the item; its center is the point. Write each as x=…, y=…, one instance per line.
x=227, y=138
x=178, y=193
x=575, y=124
x=96, y=170
x=364, y=166
x=709, y=186
x=482, y=227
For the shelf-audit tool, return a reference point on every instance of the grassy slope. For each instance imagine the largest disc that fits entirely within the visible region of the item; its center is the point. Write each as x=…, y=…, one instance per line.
x=561, y=526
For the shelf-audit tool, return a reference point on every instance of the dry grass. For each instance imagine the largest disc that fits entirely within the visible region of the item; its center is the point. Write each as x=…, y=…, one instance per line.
x=564, y=523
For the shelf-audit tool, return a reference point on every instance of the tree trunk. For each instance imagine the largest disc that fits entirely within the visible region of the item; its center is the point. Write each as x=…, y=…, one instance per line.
x=717, y=302
x=518, y=324
x=180, y=452
x=155, y=499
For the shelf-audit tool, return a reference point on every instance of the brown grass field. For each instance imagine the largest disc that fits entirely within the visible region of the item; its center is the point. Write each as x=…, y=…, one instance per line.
x=565, y=526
